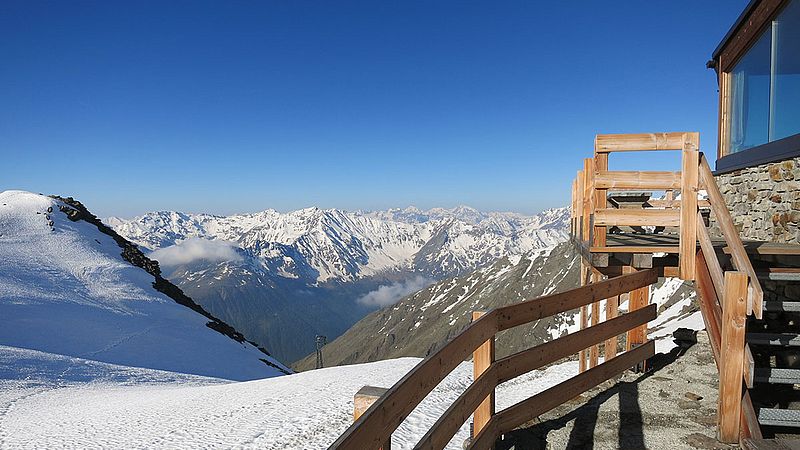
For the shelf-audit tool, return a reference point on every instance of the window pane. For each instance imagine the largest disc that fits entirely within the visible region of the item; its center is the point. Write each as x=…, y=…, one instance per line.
x=749, y=97
x=786, y=84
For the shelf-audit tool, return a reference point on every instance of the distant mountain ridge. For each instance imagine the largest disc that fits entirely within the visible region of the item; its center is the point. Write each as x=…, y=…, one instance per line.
x=283, y=278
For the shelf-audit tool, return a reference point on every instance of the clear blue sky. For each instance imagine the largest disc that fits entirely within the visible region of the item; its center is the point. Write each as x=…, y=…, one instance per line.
x=240, y=106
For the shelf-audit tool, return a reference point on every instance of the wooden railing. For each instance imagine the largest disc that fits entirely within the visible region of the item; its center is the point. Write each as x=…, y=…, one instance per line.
x=374, y=427
x=726, y=298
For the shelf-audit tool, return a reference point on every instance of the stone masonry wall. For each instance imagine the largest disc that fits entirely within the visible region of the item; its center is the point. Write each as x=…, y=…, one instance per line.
x=765, y=200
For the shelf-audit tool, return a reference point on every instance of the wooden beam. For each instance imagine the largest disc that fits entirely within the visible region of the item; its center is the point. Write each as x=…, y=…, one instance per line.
x=537, y=357
x=385, y=415
x=710, y=254
x=635, y=249
x=732, y=351
x=579, y=204
x=588, y=198
x=739, y=256
x=688, y=218
x=619, y=180
x=605, y=143
x=711, y=311
x=363, y=399
x=600, y=197
x=637, y=217
x=516, y=415
x=584, y=319
x=612, y=311
x=520, y=313
x=594, y=350
x=482, y=358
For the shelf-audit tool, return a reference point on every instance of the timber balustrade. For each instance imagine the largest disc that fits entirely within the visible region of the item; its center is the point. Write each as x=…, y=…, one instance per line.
x=373, y=429
x=726, y=298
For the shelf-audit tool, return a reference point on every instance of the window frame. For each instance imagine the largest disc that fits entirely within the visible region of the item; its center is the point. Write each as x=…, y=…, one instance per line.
x=750, y=26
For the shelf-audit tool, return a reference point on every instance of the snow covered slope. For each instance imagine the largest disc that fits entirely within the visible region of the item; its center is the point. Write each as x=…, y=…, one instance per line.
x=66, y=289
x=420, y=323
x=114, y=407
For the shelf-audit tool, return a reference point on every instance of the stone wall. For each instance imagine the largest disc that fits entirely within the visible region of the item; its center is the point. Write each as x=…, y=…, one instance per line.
x=765, y=200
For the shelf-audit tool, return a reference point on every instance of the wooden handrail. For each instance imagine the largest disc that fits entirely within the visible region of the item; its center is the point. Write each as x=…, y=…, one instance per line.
x=384, y=416
x=605, y=143
x=739, y=256
x=637, y=180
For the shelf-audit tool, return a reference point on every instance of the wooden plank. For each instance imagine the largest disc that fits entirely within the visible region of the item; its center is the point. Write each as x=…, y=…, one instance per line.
x=709, y=306
x=516, y=415
x=635, y=249
x=584, y=319
x=579, y=203
x=714, y=267
x=750, y=426
x=600, y=197
x=383, y=417
x=605, y=143
x=537, y=357
x=588, y=198
x=732, y=351
x=639, y=298
x=637, y=217
x=530, y=310
x=637, y=180
x=482, y=358
x=363, y=399
x=739, y=256
x=664, y=203
x=440, y=434
x=594, y=350
x=612, y=311
x=688, y=219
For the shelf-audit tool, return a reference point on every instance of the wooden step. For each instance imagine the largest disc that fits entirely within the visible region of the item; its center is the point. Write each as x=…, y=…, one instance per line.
x=778, y=339
x=781, y=306
x=779, y=417
x=773, y=375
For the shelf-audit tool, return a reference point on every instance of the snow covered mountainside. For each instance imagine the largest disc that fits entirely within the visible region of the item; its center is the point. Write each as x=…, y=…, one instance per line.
x=422, y=322
x=69, y=288
x=285, y=278
x=57, y=402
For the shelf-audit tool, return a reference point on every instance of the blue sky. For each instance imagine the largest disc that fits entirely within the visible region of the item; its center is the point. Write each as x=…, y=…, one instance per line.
x=229, y=107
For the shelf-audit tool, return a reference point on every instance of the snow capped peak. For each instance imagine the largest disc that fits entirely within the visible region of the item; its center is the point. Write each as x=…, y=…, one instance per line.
x=341, y=245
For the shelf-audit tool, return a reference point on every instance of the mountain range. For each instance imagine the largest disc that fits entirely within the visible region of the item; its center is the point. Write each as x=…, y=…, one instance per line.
x=283, y=278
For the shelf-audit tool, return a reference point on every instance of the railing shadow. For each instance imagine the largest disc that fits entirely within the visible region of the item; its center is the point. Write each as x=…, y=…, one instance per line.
x=631, y=426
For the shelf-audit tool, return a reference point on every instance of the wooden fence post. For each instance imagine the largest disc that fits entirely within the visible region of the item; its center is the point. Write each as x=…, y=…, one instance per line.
x=482, y=358
x=363, y=399
x=594, y=350
x=612, y=310
x=584, y=318
x=690, y=173
x=734, y=310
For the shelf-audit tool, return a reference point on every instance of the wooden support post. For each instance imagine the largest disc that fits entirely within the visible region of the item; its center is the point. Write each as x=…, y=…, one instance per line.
x=588, y=198
x=579, y=204
x=482, y=358
x=594, y=350
x=734, y=311
x=584, y=318
x=612, y=311
x=600, y=198
x=690, y=173
x=363, y=399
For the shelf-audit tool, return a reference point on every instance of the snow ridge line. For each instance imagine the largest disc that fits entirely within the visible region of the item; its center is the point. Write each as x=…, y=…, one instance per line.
x=76, y=211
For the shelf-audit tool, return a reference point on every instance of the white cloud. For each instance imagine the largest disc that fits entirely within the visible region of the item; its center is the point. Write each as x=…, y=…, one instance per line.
x=390, y=294
x=194, y=249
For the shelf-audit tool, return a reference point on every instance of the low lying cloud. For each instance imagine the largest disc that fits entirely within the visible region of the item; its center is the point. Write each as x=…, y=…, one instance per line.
x=390, y=294
x=194, y=249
